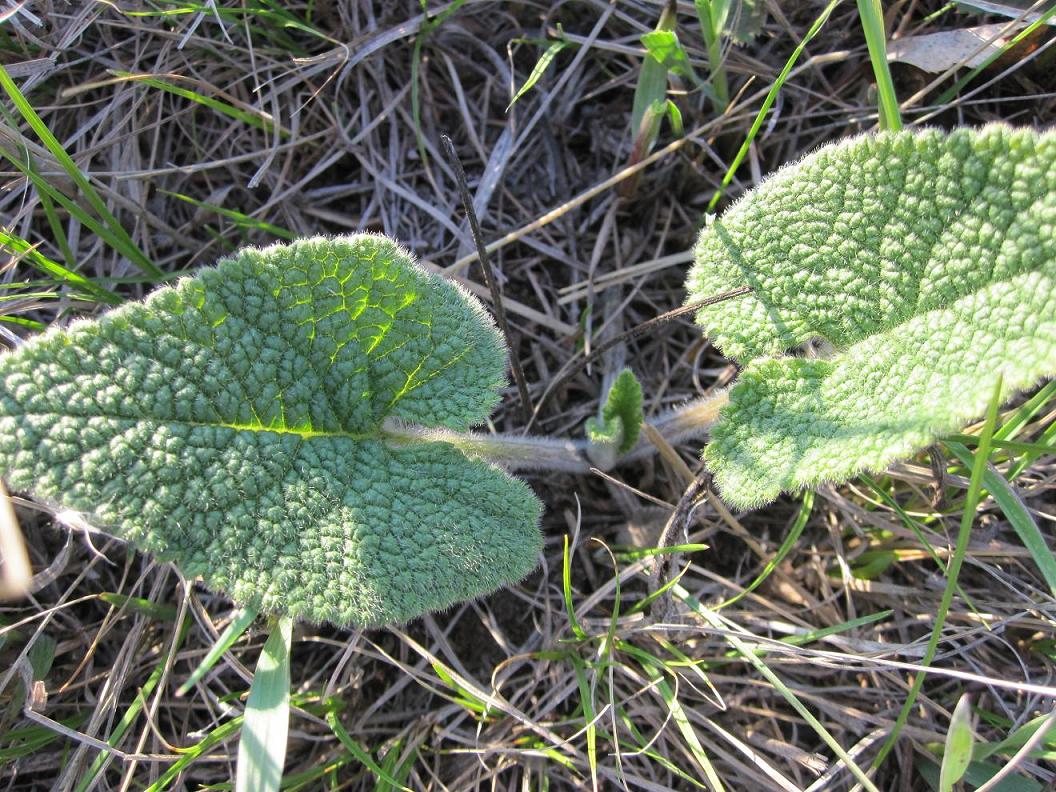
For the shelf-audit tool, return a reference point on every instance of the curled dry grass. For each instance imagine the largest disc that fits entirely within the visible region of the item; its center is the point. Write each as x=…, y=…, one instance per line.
x=207, y=128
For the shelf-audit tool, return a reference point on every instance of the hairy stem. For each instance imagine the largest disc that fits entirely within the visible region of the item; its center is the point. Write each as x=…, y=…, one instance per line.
x=691, y=420
x=520, y=452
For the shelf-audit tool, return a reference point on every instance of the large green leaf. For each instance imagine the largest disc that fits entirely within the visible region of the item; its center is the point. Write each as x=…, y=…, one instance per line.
x=239, y=423
x=927, y=263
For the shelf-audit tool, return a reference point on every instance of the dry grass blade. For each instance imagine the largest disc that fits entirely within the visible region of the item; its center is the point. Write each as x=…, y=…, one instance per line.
x=490, y=278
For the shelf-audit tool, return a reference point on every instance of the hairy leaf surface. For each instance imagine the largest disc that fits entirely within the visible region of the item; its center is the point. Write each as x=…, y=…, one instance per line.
x=621, y=416
x=236, y=423
x=925, y=260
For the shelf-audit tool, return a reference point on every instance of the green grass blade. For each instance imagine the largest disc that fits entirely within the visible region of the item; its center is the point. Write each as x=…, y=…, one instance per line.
x=872, y=16
x=1022, y=522
x=458, y=693
x=651, y=87
x=398, y=771
x=31, y=324
x=977, y=774
x=145, y=607
x=1045, y=444
x=85, y=217
x=262, y=744
x=268, y=19
x=674, y=117
x=918, y=531
x=811, y=636
x=311, y=780
x=388, y=764
x=587, y=705
x=786, y=546
x=802, y=639
x=712, y=16
x=1047, y=441
x=971, y=503
x=137, y=706
x=222, y=732
x=125, y=244
x=685, y=661
x=227, y=639
x=361, y=754
x=239, y=219
x=652, y=596
x=1021, y=736
x=566, y=584
x=654, y=669
x=660, y=759
x=1025, y=413
x=617, y=596
x=28, y=740
x=666, y=49
x=1006, y=445
x=719, y=623
x=649, y=552
x=257, y=119
x=54, y=223
x=768, y=102
x=538, y=70
x=31, y=255
x=429, y=24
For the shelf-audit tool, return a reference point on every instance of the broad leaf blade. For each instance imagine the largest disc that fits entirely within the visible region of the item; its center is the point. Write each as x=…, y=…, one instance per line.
x=236, y=423
x=928, y=261
x=793, y=423
x=867, y=233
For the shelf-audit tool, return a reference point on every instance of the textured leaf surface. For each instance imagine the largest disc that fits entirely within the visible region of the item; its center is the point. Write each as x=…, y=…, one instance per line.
x=927, y=261
x=235, y=423
x=621, y=416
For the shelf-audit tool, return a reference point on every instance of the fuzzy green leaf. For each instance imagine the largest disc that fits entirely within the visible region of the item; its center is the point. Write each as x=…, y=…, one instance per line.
x=621, y=416
x=241, y=424
x=925, y=260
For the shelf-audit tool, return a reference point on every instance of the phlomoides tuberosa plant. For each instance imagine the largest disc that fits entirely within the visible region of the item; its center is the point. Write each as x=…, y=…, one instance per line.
x=294, y=425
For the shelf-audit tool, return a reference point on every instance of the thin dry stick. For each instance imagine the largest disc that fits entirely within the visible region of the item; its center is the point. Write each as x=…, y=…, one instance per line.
x=578, y=362
x=30, y=714
x=489, y=277
x=696, y=493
